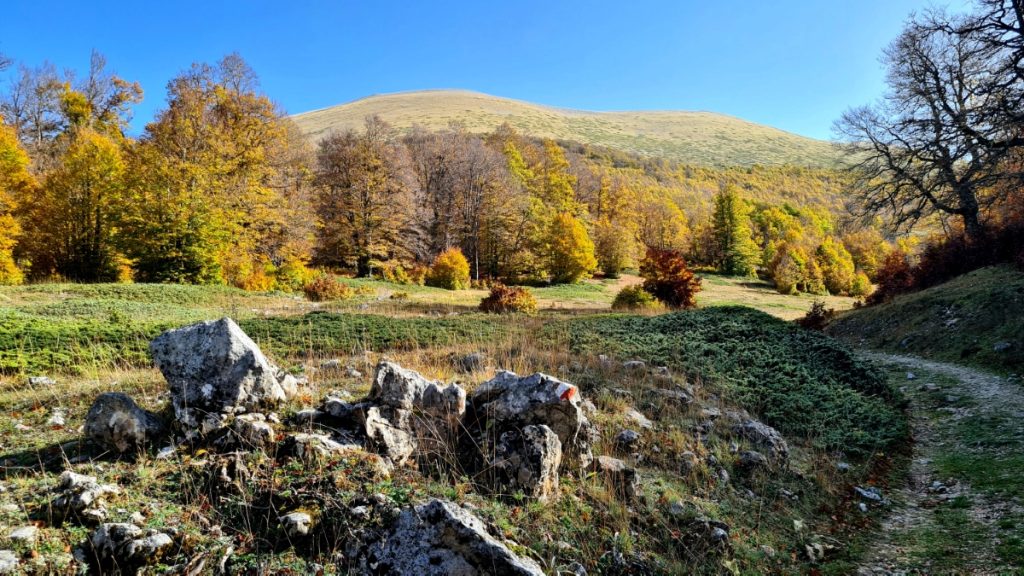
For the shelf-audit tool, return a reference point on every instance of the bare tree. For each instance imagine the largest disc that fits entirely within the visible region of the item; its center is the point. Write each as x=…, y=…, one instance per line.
x=941, y=138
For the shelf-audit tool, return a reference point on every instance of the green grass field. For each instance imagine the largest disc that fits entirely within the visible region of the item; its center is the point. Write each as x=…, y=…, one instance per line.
x=696, y=138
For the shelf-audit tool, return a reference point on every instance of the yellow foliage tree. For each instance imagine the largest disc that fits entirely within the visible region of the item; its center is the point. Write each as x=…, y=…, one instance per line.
x=15, y=183
x=570, y=250
x=450, y=271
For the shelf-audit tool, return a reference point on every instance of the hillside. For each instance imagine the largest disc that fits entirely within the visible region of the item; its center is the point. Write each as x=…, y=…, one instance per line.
x=697, y=138
x=973, y=319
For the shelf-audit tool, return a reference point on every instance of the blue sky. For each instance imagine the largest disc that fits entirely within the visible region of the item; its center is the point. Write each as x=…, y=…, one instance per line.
x=794, y=64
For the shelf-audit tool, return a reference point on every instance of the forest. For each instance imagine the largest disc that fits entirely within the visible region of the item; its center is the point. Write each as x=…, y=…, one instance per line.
x=222, y=188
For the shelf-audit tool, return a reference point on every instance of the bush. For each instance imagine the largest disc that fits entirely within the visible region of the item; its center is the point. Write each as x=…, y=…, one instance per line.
x=504, y=299
x=398, y=273
x=292, y=275
x=449, y=271
x=817, y=317
x=895, y=276
x=667, y=278
x=634, y=298
x=324, y=287
x=861, y=285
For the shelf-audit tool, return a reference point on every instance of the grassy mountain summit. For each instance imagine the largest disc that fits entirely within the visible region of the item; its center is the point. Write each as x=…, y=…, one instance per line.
x=697, y=138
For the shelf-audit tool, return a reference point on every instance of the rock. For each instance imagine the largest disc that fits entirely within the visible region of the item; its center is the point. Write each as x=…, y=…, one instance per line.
x=56, y=418
x=843, y=466
x=1002, y=346
x=297, y=524
x=397, y=387
x=24, y=534
x=439, y=538
x=166, y=452
x=673, y=396
x=527, y=462
x=634, y=365
x=213, y=369
x=710, y=413
x=662, y=372
x=313, y=449
x=41, y=381
x=623, y=479
x=117, y=423
x=8, y=562
x=336, y=408
x=351, y=372
x=627, y=440
x=679, y=509
x=332, y=365
x=750, y=461
x=911, y=376
x=640, y=420
x=137, y=518
x=470, y=363
x=763, y=436
x=707, y=533
x=81, y=496
x=928, y=387
x=688, y=463
x=389, y=432
x=870, y=493
x=508, y=402
x=127, y=546
x=289, y=384
x=252, y=432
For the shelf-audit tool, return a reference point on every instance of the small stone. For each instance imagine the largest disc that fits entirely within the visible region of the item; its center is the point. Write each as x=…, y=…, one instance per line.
x=640, y=420
x=634, y=365
x=8, y=562
x=862, y=506
x=688, y=463
x=869, y=493
x=331, y=365
x=124, y=545
x=56, y=418
x=351, y=372
x=117, y=423
x=911, y=376
x=843, y=467
x=297, y=524
x=678, y=508
x=624, y=480
x=750, y=461
x=24, y=534
x=470, y=363
x=41, y=381
x=1002, y=346
x=137, y=518
x=22, y=427
x=662, y=372
x=166, y=452
x=928, y=387
x=627, y=440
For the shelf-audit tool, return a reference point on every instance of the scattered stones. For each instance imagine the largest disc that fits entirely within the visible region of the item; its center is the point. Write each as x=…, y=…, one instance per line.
x=638, y=418
x=117, y=423
x=252, y=432
x=674, y=396
x=763, y=436
x=312, y=449
x=8, y=562
x=627, y=440
x=710, y=413
x=870, y=493
x=127, y=546
x=439, y=538
x=214, y=369
x=80, y=496
x=508, y=402
x=1002, y=346
x=24, y=534
x=707, y=534
x=527, y=461
x=623, y=479
x=470, y=363
x=297, y=524
x=35, y=381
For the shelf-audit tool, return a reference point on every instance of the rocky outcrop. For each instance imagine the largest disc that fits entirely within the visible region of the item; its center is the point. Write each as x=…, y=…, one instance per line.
x=509, y=402
x=214, y=370
x=763, y=436
x=526, y=462
x=117, y=423
x=125, y=548
x=439, y=538
x=80, y=497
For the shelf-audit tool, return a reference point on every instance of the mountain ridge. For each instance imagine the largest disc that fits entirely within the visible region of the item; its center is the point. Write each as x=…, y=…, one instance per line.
x=691, y=137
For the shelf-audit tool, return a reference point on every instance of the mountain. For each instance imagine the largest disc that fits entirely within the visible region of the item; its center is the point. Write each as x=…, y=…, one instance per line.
x=696, y=138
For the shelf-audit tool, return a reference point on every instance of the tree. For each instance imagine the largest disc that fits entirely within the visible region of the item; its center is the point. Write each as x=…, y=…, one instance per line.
x=836, y=265
x=450, y=271
x=667, y=278
x=732, y=231
x=613, y=247
x=942, y=137
x=15, y=184
x=364, y=189
x=570, y=250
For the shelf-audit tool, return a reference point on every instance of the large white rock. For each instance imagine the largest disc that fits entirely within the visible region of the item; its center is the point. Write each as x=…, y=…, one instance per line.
x=439, y=538
x=128, y=546
x=527, y=462
x=213, y=368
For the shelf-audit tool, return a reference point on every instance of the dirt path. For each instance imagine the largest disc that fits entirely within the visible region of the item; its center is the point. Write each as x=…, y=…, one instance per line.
x=938, y=523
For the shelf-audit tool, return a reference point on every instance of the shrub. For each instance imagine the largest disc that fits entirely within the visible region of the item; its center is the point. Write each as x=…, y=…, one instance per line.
x=634, y=298
x=817, y=317
x=449, y=271
x=504, y=299
x=861, y=285
x=292, y=275
x=324, y=287
x=398, y=273
x=667, y=278
x=571, y=255
x=895, y=276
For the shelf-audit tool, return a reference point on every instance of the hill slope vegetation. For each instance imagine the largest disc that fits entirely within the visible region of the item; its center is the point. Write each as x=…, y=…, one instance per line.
x=697, y=138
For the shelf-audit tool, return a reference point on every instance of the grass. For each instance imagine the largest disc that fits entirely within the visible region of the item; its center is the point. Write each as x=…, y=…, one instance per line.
x=696, y=138
x=797, y=380
x=960, y=321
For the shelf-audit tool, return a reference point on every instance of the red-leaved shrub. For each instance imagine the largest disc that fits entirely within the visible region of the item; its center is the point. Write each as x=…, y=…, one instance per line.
x=504, y=299
x=668, y=279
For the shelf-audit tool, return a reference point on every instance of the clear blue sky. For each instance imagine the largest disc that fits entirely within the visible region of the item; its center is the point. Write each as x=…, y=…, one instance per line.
x=794, y=64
